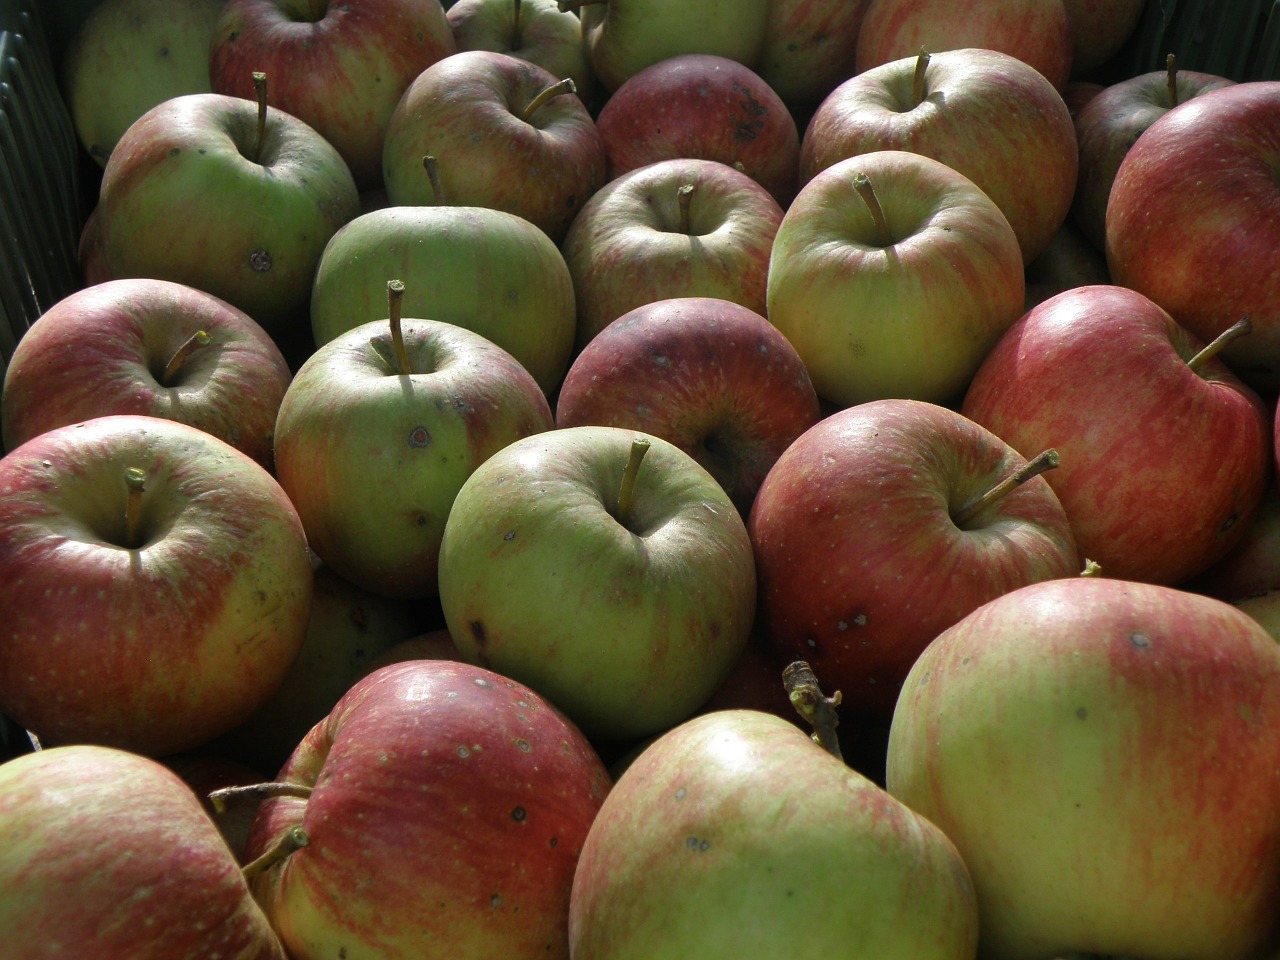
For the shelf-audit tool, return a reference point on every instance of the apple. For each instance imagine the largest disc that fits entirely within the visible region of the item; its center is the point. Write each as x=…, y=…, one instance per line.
x=125, y=57
x=1112, y=122
x=1106, y=757
x=713, y=377
x=1099, y=30
x=733, y=836
x=433, y=645
x=893, y=275
x=534, y=30
x=623, y=37
x=379, y=430
x=1068, y=261
x=676, y=228
x=877, y=529
x=156, y=584
x=505, y=133
x=698, y=105
x=491, y=272
x=227, y=196
x=109, y=855
x=604, y=568
x=984, y=113
x=444, y=808
x=150, y=347
x=1037, y=32
x=810, y=48
x=206, y=773
x=1193, y=220
x=1165, y=453
x=1252, y=566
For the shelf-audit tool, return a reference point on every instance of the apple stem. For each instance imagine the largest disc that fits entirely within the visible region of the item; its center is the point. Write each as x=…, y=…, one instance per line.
x=1091, y=568
x=1032, y=468
x=548, y=93
x=293, y=840
x=917, y=81
x=432, y=166
x=395, y=294
x=1171, y=79
x=1235, y=331
x=260, y=90
x=136, y=482
x=684, y=196
x=862, y=184
x=564, y=6
x=515, y=28
x=817, y=710
x=229, y=796
x=626, y=490
x=198, y=339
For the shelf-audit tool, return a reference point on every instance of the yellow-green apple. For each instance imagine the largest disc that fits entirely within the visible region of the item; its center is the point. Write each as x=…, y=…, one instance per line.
x=534, y=30
x=874, y=532
x=1193, y=220
x=617, y=583
x=700, y=105
x=109, y=855
x=1106, y=756
x=156, y=582
x=713, y=377
x=491, y=272
x=1099, y=30
x=347, y=628
x=338, y=65
x=444, y=808
x=126, y=56
x=378, y=431
x=212, y=191
x=1037, y=32
x=810, y=48
x=151, y=347
x=733, y=835
x=1165, y=453
x=893, y=275
x=1110, y=123
x=623, y=37
x=505, y=133
x=986, y=114
x=684, y=227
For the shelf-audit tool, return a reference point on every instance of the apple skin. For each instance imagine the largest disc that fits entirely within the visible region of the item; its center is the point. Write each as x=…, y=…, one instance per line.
x=628, y=247
x=533, y=533
x=103, y=349
x=854, y=525
x=1163, y=467
x=491, y=272
x=125, y=57
x=714, y=378
x=1203, y=246
x=911, y=318
x=449, y=808
x=203, y=619
x=1106, y=757
x=204, y=772
x=361, y=446
x=180, y=200
x=985, y=114
x=1252, y=566
x=733, y=835
x=340, y=67
x=810, y=48
x=1109, y=125
x=623, y=37
x=108, y=854
x=467, y=112
x=1037, y=32
x=1068, y=261
x=1099, y=30
x=698, y=105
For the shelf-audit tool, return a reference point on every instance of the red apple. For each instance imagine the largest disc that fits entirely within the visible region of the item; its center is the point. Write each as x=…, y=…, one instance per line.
x=1165, y=457
x=810, y=48
x=713, y=377
x=1099, y=30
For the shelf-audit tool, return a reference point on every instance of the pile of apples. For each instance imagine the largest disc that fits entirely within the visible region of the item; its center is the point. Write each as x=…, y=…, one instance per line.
x=643, y=479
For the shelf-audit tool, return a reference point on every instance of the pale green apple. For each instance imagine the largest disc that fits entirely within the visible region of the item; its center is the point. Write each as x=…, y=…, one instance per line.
x=734, y=835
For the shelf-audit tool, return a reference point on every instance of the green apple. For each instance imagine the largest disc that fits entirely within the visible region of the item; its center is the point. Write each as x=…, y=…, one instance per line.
x=486, y=270
x=733, y=835
x=619, y=585
x=1106, y=757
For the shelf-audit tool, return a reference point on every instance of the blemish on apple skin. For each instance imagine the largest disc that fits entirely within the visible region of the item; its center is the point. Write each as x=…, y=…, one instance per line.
x=495, y=901
x=696, y=845
x=681, y=794
x=1140, y=640
x=477, y=632
x=509, y=536
x=419, y=438
x=1082, y=713
x=518, y=814
x=259, y=261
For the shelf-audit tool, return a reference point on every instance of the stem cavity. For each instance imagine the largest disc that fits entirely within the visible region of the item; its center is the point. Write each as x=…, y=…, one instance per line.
x=626, y=490
x=1032, y=468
